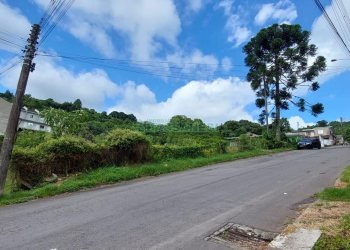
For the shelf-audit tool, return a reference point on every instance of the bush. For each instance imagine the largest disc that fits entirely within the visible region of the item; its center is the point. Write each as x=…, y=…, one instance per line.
x=1, y=139
x=28, y=138
x=244, y=143
x=161, y=152
x=70, y=154
x=123, y=146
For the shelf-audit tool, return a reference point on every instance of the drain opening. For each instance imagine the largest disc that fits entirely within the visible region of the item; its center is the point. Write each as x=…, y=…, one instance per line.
x=235, y=235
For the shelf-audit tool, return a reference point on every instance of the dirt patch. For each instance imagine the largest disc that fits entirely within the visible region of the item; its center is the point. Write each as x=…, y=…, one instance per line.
x=321, y=215
x=340, y=184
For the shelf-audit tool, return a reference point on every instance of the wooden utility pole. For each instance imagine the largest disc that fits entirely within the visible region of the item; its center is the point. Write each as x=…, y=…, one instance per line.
x=11, y=129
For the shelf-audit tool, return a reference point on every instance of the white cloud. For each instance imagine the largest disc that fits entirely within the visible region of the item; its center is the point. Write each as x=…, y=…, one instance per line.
x=195, y=5
x=328, y=46
x=298, y=122
x=50, y=80
x=195, y=64
x=144, y=24
x=238, y=33
x=214, y=102
x=284, y=11
x=226, y=64
x=20, y=26
x=146, y=30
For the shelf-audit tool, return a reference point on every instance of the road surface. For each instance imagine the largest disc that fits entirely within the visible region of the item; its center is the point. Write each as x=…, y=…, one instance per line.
x=175, y=211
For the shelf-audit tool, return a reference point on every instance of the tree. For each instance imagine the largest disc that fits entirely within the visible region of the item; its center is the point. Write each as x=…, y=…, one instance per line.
x=62, y=122
x=122, y=116
x=280, y=58
x=322, y=123
x=237, y=128
x=77, y=104
x=8, y=96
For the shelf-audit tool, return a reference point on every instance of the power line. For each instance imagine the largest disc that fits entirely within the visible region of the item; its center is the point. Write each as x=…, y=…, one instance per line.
x=330, y=22
x=9, y=67
x=57, y=11
x=160, y=72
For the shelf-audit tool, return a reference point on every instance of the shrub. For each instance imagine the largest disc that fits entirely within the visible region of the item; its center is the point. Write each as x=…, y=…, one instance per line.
x=244, y=143
x=70, y=154
x=28, y=138
x=160, y=152
x=123, y=146
x=1, y=139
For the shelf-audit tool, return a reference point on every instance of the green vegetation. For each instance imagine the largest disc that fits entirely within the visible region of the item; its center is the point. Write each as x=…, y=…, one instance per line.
x=278, y=59
x=99, y=148
x=341, y=240
x=113, y=174
x=338, y=194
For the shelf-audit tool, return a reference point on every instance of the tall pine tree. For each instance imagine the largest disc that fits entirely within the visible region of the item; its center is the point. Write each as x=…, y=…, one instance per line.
x=281, y=59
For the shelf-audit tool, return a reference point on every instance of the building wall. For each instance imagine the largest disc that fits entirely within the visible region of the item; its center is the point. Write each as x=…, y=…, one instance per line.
x=31, y=120
x=5, y=108
x=28, y=119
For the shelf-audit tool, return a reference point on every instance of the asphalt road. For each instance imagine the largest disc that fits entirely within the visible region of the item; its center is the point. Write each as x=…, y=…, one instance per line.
x=175, y=211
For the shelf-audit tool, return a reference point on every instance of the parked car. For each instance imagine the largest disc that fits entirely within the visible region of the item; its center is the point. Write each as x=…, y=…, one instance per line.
x=309, y=143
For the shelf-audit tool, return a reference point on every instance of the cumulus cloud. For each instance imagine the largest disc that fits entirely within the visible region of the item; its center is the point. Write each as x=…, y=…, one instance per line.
x=226, y=64
x=214, y=102
x=284, y=11
x=297, y=122
x=238, y=33
x=328, y=45
x=140, y=22
x=142, y=31
x=20, y=26
x=51, y=80
x=195, y=63
x=195, y=5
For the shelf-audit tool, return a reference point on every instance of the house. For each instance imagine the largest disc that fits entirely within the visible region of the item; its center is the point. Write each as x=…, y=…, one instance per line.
x=5, y=108
x=29, y=119
x=325, y=134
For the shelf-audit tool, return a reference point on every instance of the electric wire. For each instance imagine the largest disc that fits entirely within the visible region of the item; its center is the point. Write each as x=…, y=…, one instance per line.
x=331, y=23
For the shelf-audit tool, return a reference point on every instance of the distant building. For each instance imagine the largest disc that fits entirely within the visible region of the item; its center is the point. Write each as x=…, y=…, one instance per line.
x=5, y=108
x=325, y=134
x=29, y=119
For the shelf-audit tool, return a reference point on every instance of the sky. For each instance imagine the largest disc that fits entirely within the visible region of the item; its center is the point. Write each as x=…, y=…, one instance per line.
x=160, y=58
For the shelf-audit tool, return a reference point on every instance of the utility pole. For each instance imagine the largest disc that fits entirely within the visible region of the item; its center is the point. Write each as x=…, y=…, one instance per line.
x=11, y=129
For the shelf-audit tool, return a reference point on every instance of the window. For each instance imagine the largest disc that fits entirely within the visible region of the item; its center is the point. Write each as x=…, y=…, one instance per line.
x=42, y=126
x=31, y=116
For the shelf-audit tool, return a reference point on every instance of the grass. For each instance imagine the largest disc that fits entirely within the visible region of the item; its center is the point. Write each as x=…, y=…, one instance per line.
x=338, y=194
x=113, y=174
x=341, y=240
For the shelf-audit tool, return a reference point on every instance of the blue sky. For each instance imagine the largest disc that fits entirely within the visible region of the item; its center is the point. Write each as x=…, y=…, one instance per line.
x=168, y=56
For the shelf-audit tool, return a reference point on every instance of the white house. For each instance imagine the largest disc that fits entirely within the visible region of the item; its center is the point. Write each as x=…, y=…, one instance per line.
x=325, y=134
x=29, y=119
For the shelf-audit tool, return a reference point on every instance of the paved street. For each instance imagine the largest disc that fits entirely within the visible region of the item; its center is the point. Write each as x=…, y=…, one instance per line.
x=175, y=211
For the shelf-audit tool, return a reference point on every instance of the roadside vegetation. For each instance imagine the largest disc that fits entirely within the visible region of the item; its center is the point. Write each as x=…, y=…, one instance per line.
x=87, y=148
x=336, y=238
x=114, y=174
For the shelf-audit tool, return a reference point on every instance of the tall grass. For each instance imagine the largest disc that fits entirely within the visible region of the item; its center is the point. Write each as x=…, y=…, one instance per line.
x=113, y=174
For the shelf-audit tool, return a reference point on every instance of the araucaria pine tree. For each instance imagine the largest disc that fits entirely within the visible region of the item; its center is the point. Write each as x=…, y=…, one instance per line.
x=281, y=59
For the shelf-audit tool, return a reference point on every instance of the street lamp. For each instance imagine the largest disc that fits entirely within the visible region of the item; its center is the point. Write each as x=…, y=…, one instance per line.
x=343, y=59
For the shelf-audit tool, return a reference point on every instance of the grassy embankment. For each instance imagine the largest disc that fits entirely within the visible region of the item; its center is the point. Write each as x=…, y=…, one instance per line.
x=341, y=239
x=113, y=174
